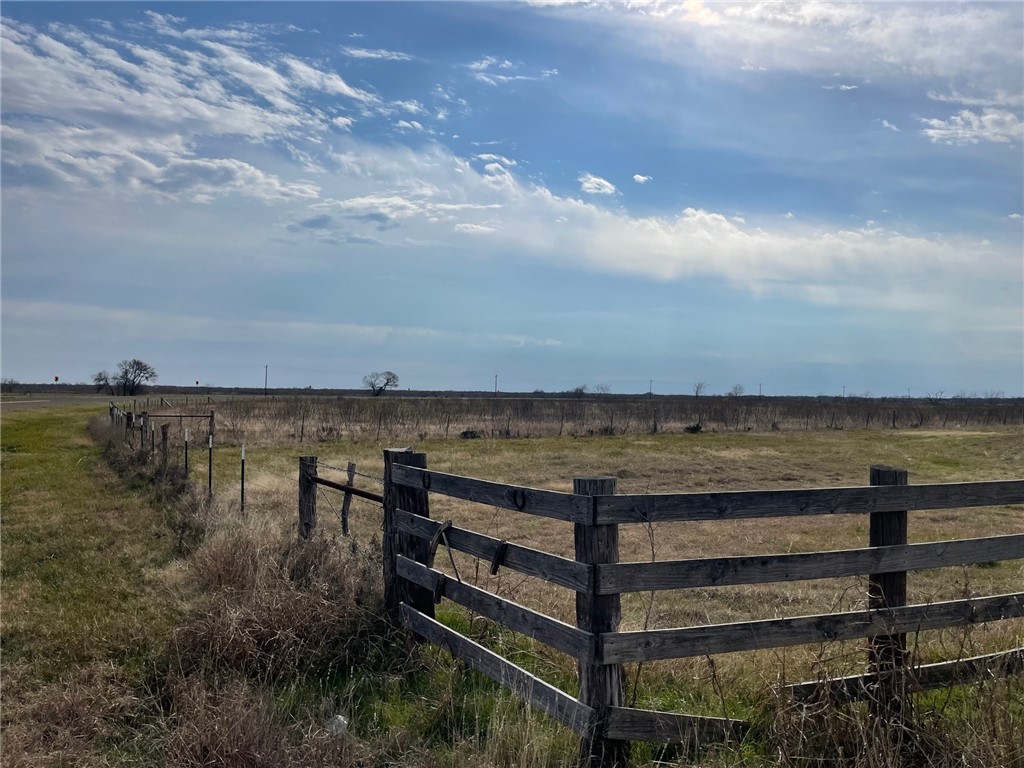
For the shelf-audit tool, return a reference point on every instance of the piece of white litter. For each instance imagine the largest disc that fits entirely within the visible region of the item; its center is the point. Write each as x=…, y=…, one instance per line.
x=337, y=725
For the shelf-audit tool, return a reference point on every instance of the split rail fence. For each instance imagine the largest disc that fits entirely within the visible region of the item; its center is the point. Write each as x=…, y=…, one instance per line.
x=413, y=586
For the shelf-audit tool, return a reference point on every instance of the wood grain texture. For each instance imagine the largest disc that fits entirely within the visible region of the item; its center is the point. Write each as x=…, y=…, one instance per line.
x=922, y=678
x=544, y=696
x=764, y=569
x=670, y=727
x=532, y=501
x=602, y=685
x=657, y=508
x=887, y=652
x=557, y=634
x=346, y=504
x=414, y=503
x=777, y=633
x=558, y=570
x=307, y=495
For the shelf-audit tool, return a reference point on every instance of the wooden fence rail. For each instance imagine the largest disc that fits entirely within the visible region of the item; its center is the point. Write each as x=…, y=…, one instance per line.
x=413, y=585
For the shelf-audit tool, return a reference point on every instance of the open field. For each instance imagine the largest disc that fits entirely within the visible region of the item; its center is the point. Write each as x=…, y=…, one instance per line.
x=118, y=540
x=434, y=415
x=661, y=463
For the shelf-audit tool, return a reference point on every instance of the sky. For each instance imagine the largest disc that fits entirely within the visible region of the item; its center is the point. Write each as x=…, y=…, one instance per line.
x=801, y=198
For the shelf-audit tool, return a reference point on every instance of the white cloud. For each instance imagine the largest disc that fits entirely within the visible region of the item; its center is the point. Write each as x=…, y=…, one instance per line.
x=641, y=179
x=491, y=158
x=475, y=229
x=344, y=123
x=789, y=215
x=410, y=125
x=890, y=126
x=1015, y=216
x=841, y=87
x=127, y=119
x=998, y=98
x=595, y=185
x=403, y=105
x=494, y=71
x=976, y=45
x=377, y=53
x=967, y=127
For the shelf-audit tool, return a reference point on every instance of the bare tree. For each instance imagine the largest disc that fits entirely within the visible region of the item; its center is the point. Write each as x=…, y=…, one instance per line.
x=737, y=390
x=378, y=381
x=132, y=375
x=102, y=381
x=602, y=389
x=699, y=388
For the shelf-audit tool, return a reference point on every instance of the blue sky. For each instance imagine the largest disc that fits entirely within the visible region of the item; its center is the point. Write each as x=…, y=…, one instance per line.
x=802, y=196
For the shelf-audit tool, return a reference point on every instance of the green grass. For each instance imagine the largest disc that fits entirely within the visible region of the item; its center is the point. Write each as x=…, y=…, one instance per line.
x=82, y=554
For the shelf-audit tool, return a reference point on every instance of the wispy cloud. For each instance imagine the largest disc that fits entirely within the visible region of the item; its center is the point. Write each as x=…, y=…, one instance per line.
x=841, y=87
x=999, y=126
x=641, y=179
x=474, y=229
x=595, y=185
x=494, y=71
x=998, y=98
x=133, y=324
x=890, y=126
x=375, y=53
x=488, y=157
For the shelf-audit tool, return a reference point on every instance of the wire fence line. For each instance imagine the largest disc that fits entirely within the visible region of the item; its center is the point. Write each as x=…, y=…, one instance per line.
x=378, y=480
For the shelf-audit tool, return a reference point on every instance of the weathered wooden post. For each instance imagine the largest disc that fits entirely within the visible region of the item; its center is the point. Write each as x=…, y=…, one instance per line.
x=143, y=430
x=209, y=465
x=414, y=501
x=347, y=502
x=186, y=453
x=164, y=445
x=601, y=685
x=129, y=428
x=242, y=499
x=307, y=495
x=886, y=653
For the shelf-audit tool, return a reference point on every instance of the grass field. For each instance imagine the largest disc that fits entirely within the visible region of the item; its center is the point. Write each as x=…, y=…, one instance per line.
x=100, y=595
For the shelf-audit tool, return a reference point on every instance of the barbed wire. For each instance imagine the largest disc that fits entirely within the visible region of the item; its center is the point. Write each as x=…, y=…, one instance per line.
x=378, y=480
x=327, y=498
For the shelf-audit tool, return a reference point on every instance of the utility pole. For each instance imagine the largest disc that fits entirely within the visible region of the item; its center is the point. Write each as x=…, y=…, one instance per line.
x=650, y=390
x=759, y=389
x=844, y=391
x=495, y=385
x=266, y=373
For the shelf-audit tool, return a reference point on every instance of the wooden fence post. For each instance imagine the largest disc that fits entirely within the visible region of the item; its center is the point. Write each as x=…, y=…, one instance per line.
x=601, y=685
x=347, y=502
x=165, y=458
x=144, y=430
x=886, y=653
x=307, y=495
x=414, y=501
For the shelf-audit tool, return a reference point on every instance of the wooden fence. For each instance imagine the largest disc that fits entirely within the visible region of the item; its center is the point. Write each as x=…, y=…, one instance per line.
x=413, y=587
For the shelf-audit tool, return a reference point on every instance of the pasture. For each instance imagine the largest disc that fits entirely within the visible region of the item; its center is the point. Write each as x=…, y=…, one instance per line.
x=980, y=722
